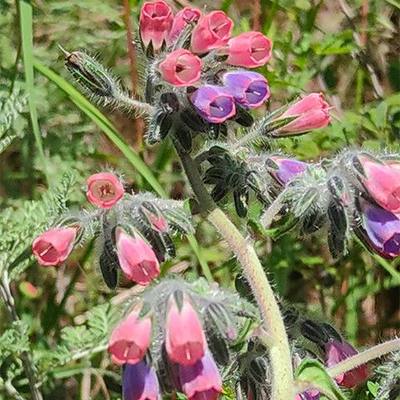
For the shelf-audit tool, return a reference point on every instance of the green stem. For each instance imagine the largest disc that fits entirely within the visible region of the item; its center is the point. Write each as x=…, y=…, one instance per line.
x=364, y=357
x=279, y=350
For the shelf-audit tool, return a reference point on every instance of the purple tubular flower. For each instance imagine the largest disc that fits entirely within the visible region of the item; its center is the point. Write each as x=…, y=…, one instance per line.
x=201, y=381
x=214, y=103
x=139, y=382
x=287, y=169
x=308, y=395
x=250, y=89
x=382, y=229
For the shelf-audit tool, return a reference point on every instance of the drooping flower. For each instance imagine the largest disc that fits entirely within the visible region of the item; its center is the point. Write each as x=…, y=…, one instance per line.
x=212, y=31
x=181, y=68
x=155, y=23
x=311, y=112
x=338, y=351
x=185, y=341
x=249, y=89
x=139, y=382
x=213, y=103
x=104, y=189
x=184, y=17
x=130, y=339
x=381, y=229
x=54, y=246
x=136, y=257
x=287, y=169
x=382, y=181
x=201, y=381
x=249, y=49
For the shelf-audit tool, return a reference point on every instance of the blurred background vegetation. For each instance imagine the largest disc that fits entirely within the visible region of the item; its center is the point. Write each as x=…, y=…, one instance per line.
x=52, y=139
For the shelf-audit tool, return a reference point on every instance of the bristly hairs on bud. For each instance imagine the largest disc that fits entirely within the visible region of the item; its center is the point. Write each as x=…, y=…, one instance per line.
x=100, y=84
x=388, y=377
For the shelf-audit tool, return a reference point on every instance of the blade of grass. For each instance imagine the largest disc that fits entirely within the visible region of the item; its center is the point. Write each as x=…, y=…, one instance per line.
x=25, y=19
x=107, y=127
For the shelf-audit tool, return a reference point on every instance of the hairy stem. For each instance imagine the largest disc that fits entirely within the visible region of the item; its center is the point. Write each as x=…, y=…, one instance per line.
x=279, y=351
x=26, y=357
x=362, y=358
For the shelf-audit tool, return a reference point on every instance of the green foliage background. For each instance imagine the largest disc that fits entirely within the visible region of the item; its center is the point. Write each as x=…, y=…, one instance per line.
x=51, y=139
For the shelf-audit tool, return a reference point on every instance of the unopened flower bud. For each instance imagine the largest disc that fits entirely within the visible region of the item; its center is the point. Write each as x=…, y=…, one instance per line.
x=90, y=74
x=283, y=169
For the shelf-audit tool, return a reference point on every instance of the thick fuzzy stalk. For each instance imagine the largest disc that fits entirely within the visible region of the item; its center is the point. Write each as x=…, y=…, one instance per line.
x=279, y=351
x=362, y=358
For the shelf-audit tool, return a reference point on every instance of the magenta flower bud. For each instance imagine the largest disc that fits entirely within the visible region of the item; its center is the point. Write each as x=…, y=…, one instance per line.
x=186, y=16
x=139, y=382
x=214, y=103
x=382, y=181
x=54, y=246
x=104, y=189
x=311, y=112
x=249, y=50
x=287, y=169
x=181, y=68
x=136, y=257
x=130, y=339
x=212, y=31
x=336, y=352
x=155, y=23
x=201, y=381
x=382, y=229
x=249, y=89
x=308, y=395
x=185, y=341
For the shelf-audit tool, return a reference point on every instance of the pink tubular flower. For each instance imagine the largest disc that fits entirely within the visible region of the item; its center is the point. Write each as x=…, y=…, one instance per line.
x=185, y=341
x=155, y=23
x=336, y=352
x=184, y=17
x=311, y=112
x=382, y=181
x=104, y=189
x=136, y=257
x=139, y=382
x=214, y=103
x=212, y=31
x=181, y=68
x=201, y=381
x=130, y=340
x=54, y=246
x=249, y=50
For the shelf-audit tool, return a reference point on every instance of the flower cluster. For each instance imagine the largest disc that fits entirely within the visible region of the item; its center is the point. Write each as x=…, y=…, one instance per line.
x=355, y=192
x=133, y=231
x=168, y=328
x=194, y=42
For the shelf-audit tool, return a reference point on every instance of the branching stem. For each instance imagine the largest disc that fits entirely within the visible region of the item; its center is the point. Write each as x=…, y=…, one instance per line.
x=279, y=351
